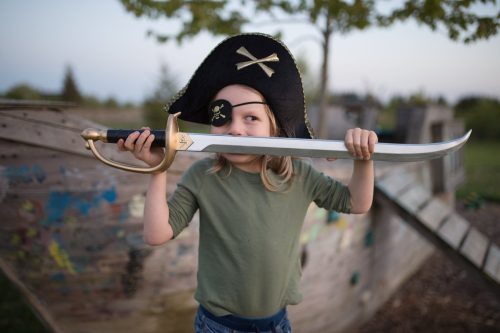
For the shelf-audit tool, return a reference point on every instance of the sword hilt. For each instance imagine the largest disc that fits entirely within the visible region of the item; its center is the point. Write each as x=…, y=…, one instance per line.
x=113, y=135
x=167, y=139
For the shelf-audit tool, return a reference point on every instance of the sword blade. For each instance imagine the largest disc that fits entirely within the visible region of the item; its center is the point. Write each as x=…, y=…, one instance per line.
x=316, y=148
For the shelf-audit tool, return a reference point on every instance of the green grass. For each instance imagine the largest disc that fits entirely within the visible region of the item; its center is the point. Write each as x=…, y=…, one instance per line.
x=15, y=315
x=482, y=170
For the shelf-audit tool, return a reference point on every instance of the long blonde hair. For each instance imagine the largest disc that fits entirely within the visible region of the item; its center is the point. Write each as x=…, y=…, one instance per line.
x=282, y=166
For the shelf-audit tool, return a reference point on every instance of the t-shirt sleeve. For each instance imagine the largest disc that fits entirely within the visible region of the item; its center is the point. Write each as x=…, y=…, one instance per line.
x=183, y=203
x=325, y=191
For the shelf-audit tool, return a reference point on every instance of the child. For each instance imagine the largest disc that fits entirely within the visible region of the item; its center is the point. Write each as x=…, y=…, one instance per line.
x=251, y=207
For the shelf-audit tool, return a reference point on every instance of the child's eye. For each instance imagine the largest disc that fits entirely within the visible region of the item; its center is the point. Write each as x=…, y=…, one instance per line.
x=251, y=118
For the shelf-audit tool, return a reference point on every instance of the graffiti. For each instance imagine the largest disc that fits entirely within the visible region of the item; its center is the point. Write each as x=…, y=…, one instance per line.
x=342, y=224
x=61, y=257
x=369, y=238
x=24, y=174
x=332, y=216
x=311, y=234
x=136, y=205
x=58, y=277
x=30, y=211
x=347, y=239
x=132, y=277
x=55, y=233
x=38, y=173
x=97, y=242
x=60, y=202
x=184, y=249
x=135, y=240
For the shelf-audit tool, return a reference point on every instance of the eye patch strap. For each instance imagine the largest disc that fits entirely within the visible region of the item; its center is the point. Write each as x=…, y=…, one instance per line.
x=246, y=103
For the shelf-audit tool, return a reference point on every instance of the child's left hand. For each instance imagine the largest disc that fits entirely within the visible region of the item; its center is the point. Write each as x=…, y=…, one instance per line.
x=360, y=143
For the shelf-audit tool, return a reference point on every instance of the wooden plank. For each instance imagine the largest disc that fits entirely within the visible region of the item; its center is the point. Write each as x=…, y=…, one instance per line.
x=414, y=198
x=56, y=137
x=453, y=230
x=492, y=266
x=474, y=247
x=433, y=213
x=395, y=182
x=51, y=118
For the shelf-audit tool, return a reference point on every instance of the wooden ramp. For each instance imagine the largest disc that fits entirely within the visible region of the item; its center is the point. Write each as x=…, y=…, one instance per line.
x=440, y=224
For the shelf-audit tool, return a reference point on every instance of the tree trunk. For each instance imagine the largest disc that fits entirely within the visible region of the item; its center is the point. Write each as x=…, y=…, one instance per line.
x=323, y=90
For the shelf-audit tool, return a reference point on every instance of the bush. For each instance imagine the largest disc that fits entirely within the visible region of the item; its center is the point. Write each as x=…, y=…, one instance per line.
x=154, y=112
x=482, y=115
x=23, y=91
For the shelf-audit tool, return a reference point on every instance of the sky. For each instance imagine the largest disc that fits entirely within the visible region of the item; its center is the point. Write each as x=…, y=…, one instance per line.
x=111, y=56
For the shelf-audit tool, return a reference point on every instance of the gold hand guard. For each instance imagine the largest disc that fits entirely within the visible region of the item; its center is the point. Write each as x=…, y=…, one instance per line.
x=90, y=135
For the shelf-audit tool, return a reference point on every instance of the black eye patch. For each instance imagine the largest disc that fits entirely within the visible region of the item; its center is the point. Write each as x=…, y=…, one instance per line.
x=220, y=111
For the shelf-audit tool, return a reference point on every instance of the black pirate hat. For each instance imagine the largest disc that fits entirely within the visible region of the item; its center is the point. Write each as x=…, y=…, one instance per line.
x=255, y=60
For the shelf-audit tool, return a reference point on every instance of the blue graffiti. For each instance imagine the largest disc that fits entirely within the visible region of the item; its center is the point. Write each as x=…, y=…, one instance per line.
x=59, y=202
x=109, y=195
x=58, y=277
x=38, y=173
x=24, y=174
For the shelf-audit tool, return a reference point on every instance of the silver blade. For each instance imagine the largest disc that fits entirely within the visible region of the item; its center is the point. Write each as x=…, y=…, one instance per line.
x=318, y=148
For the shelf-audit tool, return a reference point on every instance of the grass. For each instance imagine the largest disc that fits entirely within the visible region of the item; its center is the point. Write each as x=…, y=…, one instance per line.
x=482, y=170
x=15, y=315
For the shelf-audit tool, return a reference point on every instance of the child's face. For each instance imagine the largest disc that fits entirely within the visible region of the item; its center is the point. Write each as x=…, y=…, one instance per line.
x=246, y=120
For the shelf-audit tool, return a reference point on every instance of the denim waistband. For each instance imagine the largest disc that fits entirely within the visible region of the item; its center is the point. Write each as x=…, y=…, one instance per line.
x=246, y=324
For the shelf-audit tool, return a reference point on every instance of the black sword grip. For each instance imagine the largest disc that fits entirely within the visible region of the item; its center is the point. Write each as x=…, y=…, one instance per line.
x=113, y=135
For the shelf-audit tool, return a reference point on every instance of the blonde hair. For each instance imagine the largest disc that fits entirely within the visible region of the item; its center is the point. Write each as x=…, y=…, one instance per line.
x=282, y=166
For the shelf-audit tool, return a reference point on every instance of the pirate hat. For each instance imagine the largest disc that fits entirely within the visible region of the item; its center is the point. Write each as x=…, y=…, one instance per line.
x=255, y=60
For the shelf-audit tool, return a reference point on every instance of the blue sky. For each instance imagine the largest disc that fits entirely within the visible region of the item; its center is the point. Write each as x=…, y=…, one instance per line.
x=111, y=55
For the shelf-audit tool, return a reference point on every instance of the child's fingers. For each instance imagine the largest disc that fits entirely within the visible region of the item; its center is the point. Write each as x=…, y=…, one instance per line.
x=356, y=137
x=139, y=143
x=372, y=140
x=364, y=146
x=130, y=141
x=149, y=142
x=119, y=144
x=349, y=142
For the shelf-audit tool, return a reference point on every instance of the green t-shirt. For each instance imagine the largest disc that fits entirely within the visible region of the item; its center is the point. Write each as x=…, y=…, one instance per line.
x=249, y=260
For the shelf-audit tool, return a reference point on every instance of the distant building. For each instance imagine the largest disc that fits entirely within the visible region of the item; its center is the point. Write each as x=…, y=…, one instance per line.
x=434, y=123
x=347, y=111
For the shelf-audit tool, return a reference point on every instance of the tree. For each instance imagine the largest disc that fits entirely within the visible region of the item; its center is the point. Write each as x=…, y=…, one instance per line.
x=70, y=92
x=23, y=91
x=328, y=17
x=481, y=114
x=153, y=105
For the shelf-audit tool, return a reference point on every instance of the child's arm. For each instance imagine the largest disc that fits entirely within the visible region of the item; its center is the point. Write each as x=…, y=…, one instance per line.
x=157, y=230
x=361, y=143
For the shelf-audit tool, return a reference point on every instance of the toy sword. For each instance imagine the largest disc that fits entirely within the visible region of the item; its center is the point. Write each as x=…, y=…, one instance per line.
x=174, y=141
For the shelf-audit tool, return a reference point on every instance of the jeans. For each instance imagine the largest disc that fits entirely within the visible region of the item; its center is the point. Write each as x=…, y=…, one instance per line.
x=203, y=324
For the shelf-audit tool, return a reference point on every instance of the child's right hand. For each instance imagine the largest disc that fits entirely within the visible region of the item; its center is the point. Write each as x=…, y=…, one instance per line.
x=139, y=144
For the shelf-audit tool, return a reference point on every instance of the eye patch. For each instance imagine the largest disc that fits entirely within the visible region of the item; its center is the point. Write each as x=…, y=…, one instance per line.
x=220, y=111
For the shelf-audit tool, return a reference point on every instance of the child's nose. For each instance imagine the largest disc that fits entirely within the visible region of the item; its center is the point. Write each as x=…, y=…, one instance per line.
x=236, y=128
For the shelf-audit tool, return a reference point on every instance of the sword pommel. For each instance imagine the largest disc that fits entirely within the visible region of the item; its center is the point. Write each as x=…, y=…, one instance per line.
x=94, y=134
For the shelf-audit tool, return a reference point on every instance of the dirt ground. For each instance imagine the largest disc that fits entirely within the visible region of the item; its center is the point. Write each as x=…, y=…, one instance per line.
x=443, y=297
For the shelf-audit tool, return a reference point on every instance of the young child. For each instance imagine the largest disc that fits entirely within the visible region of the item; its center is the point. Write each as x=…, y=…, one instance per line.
x=251, y=207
